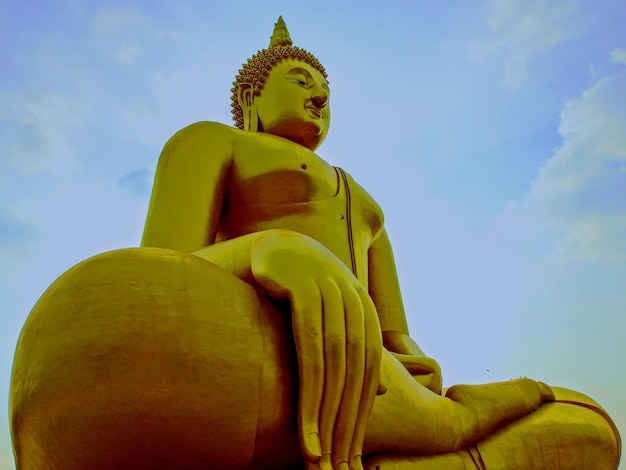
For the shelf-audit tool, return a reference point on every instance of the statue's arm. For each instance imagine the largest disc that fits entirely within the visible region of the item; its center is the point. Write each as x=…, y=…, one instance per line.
x=384, y=289
x=336, y=334
x=189, y=188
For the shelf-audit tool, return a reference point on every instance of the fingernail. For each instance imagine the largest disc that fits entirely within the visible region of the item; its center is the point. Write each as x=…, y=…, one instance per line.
x=381, y=389
x=325, y=462
x=314, y=445
x=357, y=463
x=343, y=466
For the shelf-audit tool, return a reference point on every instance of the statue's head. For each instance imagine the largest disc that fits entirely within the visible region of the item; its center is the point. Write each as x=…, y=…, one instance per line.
x=283, y=90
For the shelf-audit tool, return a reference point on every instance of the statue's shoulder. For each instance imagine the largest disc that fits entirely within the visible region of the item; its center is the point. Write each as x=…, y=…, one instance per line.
x=204, y=131
x=199, y=141
x=203, y=144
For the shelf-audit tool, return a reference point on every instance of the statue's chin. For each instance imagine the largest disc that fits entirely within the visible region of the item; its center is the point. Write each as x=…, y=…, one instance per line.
x=308, y=134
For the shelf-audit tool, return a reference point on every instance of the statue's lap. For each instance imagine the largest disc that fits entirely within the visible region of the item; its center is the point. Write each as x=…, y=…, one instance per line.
x=150, y=358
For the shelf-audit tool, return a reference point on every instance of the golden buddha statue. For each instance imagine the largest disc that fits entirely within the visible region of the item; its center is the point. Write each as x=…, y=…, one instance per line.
x=261, y=325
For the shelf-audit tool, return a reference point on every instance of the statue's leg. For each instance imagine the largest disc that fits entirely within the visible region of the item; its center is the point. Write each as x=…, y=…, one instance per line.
x=152, y=359
x=411, y=418
x=571, y=433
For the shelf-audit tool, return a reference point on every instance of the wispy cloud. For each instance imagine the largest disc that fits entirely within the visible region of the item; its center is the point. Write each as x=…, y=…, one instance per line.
x=34, y=133
x=519, y=31
x=138, y=183
x=618, y=56
x=16, y=233
x=118, y=30
x=172, y=102
x=127, y=53
x=581, y=189
x=111, y=21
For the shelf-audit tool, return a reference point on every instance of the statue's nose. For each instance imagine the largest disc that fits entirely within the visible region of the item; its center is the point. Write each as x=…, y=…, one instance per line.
x=320, y=99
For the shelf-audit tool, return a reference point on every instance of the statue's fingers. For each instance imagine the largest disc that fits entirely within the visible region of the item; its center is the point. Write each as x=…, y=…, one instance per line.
x=373, y=359
x=306, y=305
x=334, y=364
x=355, y=372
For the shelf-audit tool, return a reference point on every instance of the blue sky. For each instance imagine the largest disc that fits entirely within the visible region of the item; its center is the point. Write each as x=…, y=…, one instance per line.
x=492, y=134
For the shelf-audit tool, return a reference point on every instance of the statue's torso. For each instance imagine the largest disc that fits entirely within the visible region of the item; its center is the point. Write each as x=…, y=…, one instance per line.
x=269, y=169
x=274, y=183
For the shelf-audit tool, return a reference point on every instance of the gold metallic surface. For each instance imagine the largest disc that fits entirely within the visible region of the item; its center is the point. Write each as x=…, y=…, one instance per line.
x=261, y=325
x=254, y=72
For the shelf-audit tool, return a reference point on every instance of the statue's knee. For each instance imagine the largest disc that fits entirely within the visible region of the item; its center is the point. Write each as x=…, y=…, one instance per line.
x=606, y=439
x=592, y=434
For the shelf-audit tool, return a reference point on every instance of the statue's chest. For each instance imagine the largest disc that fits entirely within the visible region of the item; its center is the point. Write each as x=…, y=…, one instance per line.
x=280, y=175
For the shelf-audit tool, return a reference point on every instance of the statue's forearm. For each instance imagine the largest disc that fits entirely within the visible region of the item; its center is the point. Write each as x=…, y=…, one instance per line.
x=401, y=342
x=233, y=255
x=384, y=287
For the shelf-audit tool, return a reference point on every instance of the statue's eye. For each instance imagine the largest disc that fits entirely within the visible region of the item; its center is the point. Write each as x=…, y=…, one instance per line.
x=299, y=81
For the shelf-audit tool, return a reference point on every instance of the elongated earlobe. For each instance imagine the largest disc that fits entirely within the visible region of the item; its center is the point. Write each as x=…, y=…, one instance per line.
x=251, y=120
x=246, y=102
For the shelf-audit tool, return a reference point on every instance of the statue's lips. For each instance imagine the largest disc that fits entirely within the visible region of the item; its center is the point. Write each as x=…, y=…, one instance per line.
x=315, y=111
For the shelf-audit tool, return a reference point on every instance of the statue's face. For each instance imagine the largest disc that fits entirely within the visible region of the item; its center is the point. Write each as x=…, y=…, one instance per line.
x=294, y=103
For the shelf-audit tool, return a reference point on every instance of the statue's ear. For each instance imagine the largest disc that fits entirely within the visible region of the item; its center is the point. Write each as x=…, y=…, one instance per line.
x=245, y=97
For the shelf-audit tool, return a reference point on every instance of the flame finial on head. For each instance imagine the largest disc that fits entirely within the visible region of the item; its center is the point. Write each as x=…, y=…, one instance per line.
x=280, y=36
x=255, y=70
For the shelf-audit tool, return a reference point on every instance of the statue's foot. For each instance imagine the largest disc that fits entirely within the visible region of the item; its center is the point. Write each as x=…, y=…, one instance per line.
x=515, y=390
x=488, y=407
x=546, y=392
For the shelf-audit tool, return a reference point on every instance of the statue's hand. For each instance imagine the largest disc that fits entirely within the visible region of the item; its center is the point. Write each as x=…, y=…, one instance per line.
x=424, y=369
x=338, y=341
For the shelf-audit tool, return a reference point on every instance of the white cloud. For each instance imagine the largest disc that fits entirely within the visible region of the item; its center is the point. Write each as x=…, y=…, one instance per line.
x=581, y=189
x=127, y=53
x=520, y=31
x=119, y=30
x=111, y=21
x=618, y=56
x=34, y=133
